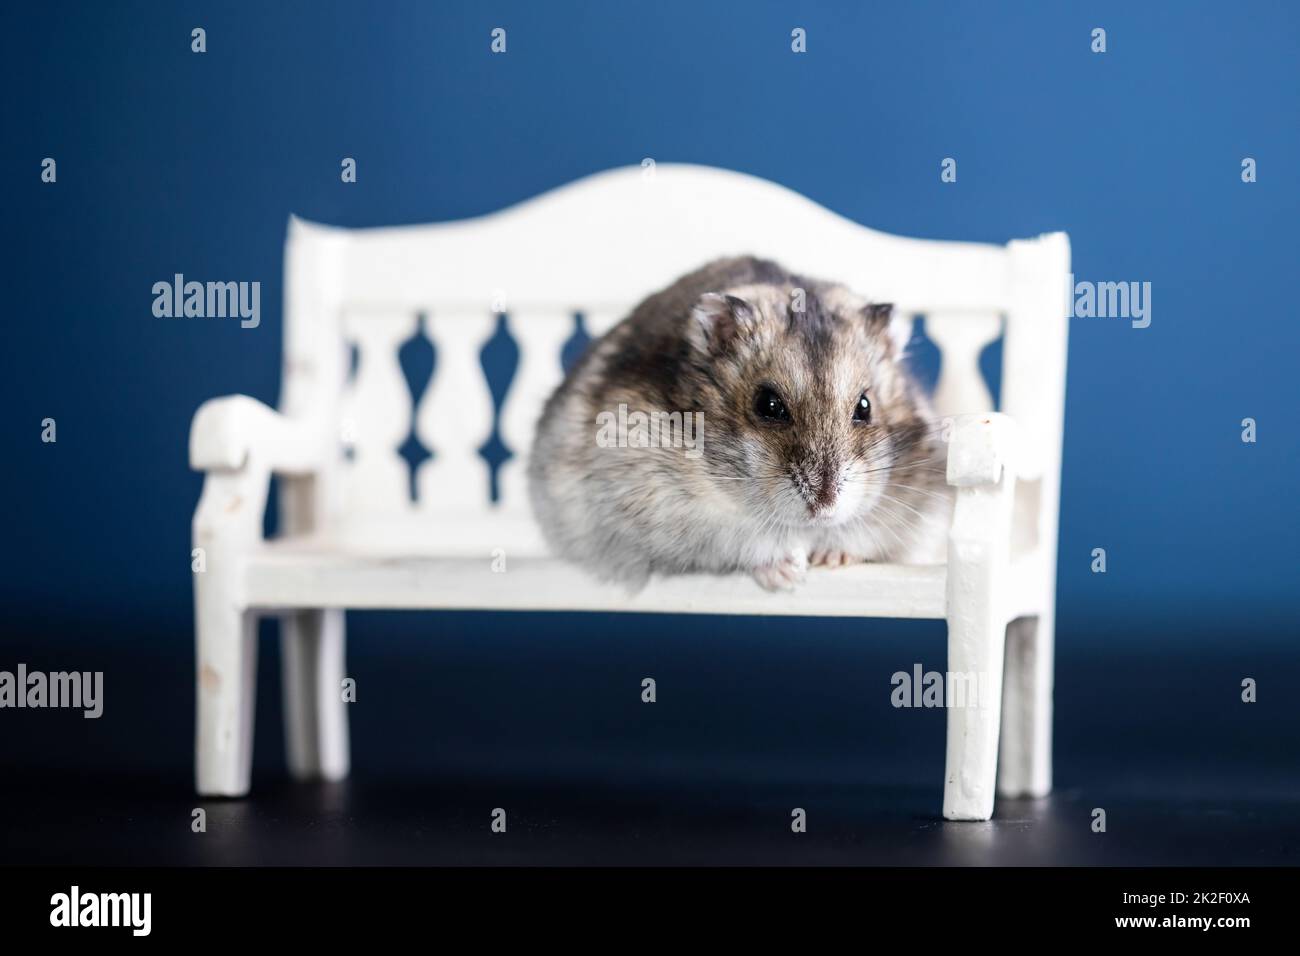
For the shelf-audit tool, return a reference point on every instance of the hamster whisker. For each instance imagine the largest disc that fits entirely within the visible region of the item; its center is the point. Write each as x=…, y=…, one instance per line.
x=920, y=491
x=880, y=548
x=771, y=522
x=915, y=464
x=762, y=478
x=878, y=441
x=902, y=468
x=886, y=526
x=899, y=501
x=891, y=457
x=908, y=525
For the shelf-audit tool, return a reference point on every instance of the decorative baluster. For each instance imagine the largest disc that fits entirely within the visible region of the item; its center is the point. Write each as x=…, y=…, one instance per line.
x=377, y=415
x=540, y=336
x=960, y=337
x=454, y=418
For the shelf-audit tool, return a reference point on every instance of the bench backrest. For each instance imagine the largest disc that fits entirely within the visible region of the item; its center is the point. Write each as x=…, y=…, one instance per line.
x=596, y=247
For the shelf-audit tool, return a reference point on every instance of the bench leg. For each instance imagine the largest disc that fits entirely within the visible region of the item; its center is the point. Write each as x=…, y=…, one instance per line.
x=315, y=715
x=976, y=640
x=226, y=638
x=1025, y=762
x=973, y=697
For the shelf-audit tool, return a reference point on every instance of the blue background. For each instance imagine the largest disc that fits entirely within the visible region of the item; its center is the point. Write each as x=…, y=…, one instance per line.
x=174, y=162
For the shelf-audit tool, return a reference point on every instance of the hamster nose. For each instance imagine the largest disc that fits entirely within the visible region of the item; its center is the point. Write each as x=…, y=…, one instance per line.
x=824, y=487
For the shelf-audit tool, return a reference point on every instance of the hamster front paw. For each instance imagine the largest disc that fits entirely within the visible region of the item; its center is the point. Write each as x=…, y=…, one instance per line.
x=785, y=574
x=833, y=558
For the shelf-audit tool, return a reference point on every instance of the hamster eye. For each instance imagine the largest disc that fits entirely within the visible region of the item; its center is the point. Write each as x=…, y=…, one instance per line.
x=768, y=406
x=862, y=410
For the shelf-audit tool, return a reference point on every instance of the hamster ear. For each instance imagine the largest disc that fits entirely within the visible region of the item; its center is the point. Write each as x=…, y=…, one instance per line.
x=882, y=319
x=716, y=321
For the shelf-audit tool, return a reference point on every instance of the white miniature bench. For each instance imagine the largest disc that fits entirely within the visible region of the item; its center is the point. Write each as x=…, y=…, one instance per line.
x=350, y=535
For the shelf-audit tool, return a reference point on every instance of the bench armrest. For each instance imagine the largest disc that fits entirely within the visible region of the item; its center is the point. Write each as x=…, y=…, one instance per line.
x=229, y=432
x=239, y=443
x=980, y=447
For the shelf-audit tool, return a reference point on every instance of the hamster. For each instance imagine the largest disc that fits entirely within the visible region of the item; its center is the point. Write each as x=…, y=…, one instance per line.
x=742, y=420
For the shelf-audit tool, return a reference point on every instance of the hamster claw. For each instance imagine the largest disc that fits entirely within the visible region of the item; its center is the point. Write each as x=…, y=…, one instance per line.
x=783, y=575
x=832, y=558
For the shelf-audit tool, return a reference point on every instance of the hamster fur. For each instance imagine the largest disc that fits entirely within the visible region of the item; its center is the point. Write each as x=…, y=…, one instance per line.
x=790, y=465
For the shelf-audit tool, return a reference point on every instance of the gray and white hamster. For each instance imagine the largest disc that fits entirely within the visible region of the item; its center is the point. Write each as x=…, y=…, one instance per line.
x=778, y=427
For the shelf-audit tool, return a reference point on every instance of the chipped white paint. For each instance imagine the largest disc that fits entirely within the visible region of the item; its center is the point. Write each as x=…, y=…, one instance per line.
x=351, y=537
